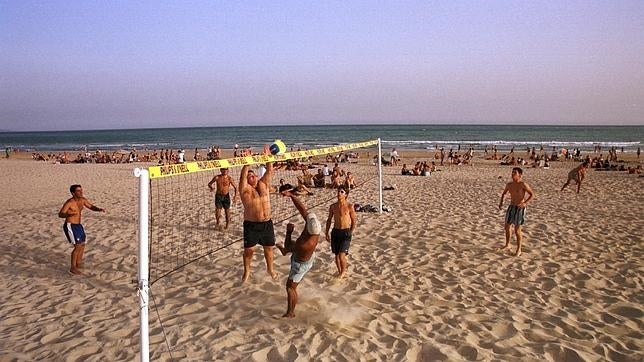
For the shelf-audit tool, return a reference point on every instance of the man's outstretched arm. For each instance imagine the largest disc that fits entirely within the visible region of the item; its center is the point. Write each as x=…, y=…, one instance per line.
x=299, y=205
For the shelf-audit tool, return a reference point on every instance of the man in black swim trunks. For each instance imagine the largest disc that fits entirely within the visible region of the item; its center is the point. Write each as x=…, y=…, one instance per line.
x=258, y=225
x=343, y=215
x=222, y=195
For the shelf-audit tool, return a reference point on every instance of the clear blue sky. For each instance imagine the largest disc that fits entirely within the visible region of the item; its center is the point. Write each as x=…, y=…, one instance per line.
x=131, y=64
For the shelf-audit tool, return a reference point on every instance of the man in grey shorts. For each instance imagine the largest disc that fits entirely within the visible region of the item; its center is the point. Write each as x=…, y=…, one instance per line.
x=303, y=249
x=515, y=214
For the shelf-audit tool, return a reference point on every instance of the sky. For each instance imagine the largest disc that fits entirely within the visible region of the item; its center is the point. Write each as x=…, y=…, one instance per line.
x=138, y=64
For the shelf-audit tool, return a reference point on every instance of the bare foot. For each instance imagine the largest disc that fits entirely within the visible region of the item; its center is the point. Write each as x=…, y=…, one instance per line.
x=288, y=315
x=274, y=276
x=245, y=277
x=517, y=253
x=75, y=271
x=504, y=248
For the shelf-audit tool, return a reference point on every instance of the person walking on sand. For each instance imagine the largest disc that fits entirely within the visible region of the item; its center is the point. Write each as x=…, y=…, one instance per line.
x=258, y=225
x=73, y=229
x=577, y=174
x=303, y=249
x=393, y=156
x=344, y=222
x=223, y=182
x=515, y=214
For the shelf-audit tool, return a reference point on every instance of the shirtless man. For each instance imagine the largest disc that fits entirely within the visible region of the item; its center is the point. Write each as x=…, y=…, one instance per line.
x=577, y=174
x=319, y=179
x=303, y=249
x=344, y=222
x=222, y=195
x=74, y=232
x=515, y=214
x=258, y=225
x=350, y=181
x=335, y=179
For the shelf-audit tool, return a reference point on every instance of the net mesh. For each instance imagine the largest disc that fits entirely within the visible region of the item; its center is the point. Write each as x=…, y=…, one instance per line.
x=183, y=225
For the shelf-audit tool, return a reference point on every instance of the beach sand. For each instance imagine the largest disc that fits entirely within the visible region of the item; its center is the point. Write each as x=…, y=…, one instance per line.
x=425, y=283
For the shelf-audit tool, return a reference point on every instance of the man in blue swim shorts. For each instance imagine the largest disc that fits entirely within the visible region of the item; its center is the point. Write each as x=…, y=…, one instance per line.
x=303, y=248
x=515, y=214
x=73, y=229
x=343, y=215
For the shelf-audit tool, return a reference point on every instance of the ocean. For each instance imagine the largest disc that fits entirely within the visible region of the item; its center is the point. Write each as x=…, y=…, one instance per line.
x=315, y=136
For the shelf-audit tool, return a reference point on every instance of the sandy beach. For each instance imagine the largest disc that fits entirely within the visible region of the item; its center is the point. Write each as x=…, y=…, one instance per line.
x=426, y=281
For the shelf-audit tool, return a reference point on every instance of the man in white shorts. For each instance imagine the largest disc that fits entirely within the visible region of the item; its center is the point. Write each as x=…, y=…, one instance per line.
x=303, y=248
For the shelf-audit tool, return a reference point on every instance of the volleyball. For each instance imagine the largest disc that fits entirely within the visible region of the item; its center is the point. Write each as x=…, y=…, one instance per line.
x=278, y=147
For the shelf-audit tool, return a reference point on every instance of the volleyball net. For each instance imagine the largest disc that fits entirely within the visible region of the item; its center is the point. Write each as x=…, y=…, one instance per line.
x=178, y=217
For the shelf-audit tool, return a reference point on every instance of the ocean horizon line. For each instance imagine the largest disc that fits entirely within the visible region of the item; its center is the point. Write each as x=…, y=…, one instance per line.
x=518, y=125
x=313, y=136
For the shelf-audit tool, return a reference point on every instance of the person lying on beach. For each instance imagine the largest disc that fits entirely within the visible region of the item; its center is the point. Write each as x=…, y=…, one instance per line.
x=515, y=214
x=302, y=249
x=300, y=189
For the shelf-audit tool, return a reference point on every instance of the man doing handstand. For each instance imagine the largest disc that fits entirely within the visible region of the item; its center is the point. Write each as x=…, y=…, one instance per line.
x=303, y=249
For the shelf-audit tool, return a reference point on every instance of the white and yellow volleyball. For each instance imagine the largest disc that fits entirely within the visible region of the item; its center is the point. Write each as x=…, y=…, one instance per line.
x=278, y=147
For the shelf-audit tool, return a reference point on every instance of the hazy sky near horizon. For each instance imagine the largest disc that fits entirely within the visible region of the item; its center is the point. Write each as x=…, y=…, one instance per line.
x=132, y=64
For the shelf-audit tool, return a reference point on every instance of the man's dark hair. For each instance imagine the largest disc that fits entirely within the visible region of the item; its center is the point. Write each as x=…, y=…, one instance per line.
x=518, y=170
x=345, y=188
x=286, y=187
x=73, y=188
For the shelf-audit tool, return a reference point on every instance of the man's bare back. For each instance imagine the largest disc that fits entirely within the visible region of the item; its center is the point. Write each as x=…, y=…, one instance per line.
x=303, y=248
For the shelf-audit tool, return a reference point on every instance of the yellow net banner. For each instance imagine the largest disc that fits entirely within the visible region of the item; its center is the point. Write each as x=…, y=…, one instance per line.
x=198, y=166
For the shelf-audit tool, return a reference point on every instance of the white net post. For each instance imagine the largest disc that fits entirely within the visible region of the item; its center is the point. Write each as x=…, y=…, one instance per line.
x=143, y=277
x=379, y=176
